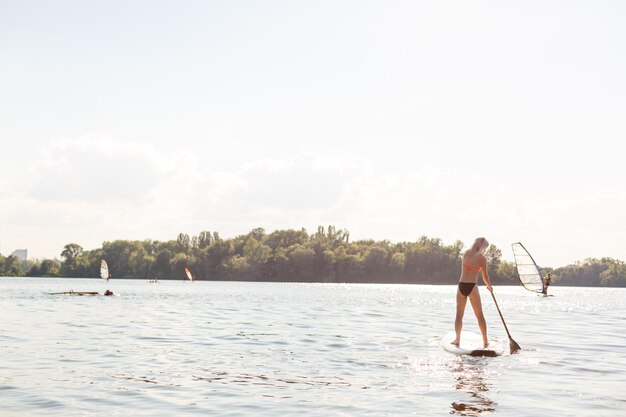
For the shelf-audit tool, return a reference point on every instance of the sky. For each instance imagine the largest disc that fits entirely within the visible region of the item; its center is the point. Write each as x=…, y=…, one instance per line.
x=141, y=120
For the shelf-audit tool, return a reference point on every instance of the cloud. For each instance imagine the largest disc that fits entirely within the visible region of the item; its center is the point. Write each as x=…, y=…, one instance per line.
x=303, y=182
x=571, y=229
x=96, y=168
x=75, y=197
x=300, y=191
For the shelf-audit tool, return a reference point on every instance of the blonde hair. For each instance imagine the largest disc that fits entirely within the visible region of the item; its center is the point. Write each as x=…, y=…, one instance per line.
x=480, y=244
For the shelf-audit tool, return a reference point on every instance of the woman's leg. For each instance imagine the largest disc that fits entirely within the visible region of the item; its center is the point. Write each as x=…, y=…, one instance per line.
x=461, y=301
x=478, y=310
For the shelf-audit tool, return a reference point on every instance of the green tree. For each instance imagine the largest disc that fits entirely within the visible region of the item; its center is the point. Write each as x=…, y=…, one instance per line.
x=70, y=254
x=12, y=267
x=204, y=239
x=257, y=234
x=45, y=268
x=256, y=255
x=302, y=260
x=286, y=238
x=325, y=266
x=506, y=273
x=183, y=243
x=347, y=265
x=139, y=262
x=162, y=267
x=117, y=255
x=614, y=275
x=179, y=263
x=415, y=262
x=236, y=268
x=326, y=256
x=375, y=265
x=396, y=265
x=213, y=259
x=71, y=251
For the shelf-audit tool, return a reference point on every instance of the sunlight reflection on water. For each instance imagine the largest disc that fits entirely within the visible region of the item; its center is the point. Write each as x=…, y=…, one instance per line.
x=219, y=348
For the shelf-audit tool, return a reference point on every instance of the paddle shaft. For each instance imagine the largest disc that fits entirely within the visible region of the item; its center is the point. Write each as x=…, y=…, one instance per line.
x=503, y=322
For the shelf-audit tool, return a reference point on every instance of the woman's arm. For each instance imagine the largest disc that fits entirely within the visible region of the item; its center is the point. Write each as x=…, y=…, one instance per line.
x=486, y=279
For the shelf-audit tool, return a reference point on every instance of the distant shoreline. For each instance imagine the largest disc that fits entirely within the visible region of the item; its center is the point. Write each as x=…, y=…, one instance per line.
x=327, y=255
x=147, y=280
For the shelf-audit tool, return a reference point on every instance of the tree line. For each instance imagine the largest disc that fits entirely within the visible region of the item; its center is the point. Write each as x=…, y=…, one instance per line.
x=327, y=255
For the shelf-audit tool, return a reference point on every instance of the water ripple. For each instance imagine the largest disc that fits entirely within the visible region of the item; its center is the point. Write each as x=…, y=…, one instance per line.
x=257, y=349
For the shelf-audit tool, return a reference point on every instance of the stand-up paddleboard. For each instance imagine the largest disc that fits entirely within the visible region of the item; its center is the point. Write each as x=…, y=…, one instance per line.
x=75, y=293
x=471, y=344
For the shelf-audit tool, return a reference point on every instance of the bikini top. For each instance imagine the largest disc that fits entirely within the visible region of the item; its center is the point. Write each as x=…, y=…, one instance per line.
x=472, y=267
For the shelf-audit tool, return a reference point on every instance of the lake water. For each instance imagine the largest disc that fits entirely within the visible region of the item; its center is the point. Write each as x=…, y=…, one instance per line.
x=287, y=349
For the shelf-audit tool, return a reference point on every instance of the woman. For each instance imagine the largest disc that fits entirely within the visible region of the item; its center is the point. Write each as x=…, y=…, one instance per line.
x=474, y=261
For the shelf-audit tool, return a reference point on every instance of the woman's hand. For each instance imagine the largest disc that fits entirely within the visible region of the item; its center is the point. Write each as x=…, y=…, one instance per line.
x=489, y=287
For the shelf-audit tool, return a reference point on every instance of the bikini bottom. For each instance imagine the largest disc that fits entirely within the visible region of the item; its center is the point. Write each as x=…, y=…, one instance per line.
x=466, y=287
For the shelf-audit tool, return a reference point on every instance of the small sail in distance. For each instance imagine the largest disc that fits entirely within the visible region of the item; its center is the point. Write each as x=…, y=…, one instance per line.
x=104, y=270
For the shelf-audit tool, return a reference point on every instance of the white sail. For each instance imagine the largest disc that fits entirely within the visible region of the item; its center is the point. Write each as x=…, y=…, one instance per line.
x=104, y=270
x=527, y=269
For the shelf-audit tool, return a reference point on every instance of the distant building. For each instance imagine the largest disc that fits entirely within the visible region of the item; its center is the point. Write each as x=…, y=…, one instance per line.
x=21, y=254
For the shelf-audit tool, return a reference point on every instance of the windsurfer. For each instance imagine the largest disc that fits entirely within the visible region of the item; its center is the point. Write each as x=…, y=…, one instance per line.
x=546, y=283
x=474, y=261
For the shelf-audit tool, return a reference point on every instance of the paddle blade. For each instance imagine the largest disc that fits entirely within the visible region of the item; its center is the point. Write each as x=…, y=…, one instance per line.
x=514, y=346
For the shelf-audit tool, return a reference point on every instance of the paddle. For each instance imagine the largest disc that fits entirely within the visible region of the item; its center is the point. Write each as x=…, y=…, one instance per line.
x=512, y=343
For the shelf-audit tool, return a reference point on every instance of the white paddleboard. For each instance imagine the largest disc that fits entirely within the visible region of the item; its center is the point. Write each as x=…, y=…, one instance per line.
x=471, y=344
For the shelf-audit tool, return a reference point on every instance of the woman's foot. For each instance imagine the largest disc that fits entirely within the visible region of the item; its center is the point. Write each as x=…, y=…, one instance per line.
x=455, y=342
